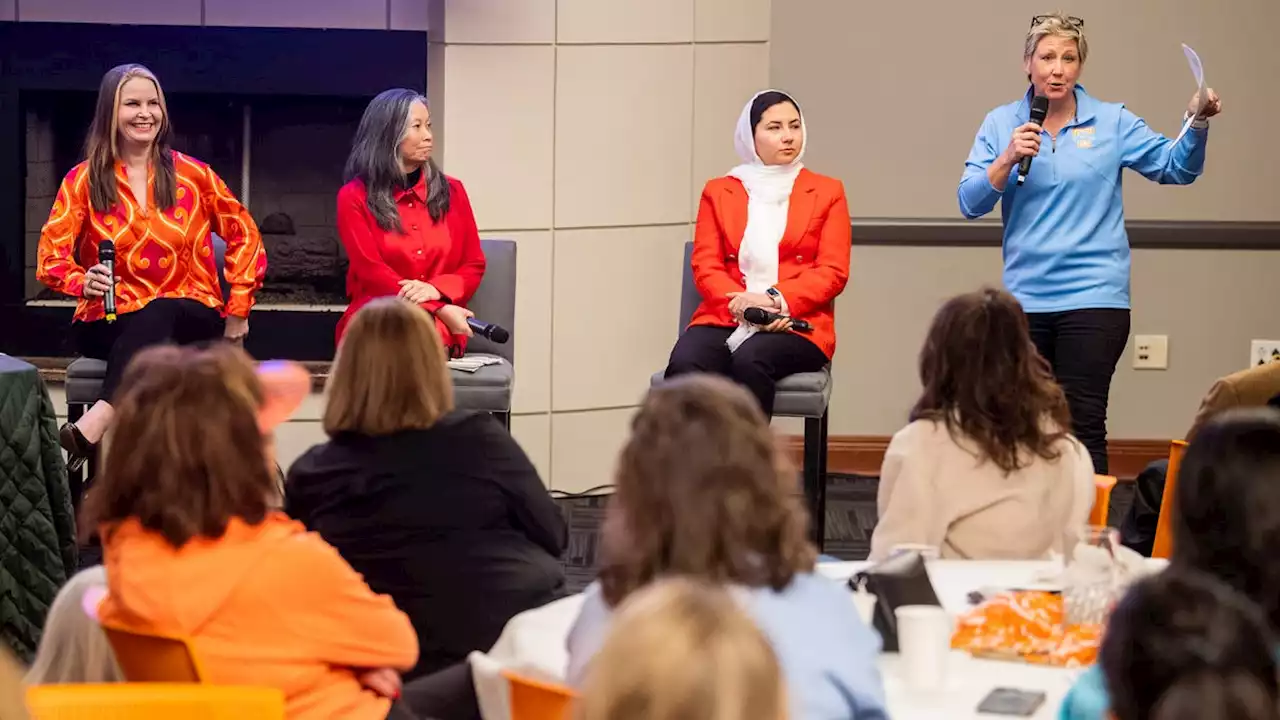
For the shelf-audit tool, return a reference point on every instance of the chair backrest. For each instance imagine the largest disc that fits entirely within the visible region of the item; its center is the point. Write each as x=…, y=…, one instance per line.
x=1102, y=487
x=495, y=299
x=220, y=260
x=153, y=701
x=1163, y=545
x=147, y=658
x=689, y=296
x=535, y=700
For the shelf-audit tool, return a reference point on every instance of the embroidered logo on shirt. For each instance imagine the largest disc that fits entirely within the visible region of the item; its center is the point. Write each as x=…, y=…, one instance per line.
x=1083, y=137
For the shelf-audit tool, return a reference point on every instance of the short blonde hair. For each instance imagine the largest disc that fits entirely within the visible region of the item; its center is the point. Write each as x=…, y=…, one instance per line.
x=682, y=648
x=1056, y=24
x=73, y=648
x=391, y=372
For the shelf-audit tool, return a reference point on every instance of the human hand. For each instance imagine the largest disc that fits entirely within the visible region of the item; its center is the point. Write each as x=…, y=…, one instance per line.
x=384, y=681
x=782, y=324
x=97, y=281
x=418, y=292
x=1024, y=143
x=236, y=328
x=1212, y=105
x=739, y=301
x=455, y=318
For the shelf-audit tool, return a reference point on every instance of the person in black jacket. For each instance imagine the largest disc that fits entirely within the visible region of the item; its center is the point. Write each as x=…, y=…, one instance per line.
x=438, y=508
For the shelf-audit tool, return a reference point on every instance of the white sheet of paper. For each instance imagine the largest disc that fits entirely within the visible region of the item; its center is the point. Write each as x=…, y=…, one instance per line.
x=1197, y=72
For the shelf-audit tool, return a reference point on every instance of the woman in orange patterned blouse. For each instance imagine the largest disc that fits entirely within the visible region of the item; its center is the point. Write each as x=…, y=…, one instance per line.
x=158, y=207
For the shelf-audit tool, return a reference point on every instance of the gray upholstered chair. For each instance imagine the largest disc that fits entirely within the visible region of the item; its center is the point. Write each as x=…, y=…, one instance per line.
x=489, y=388
x=803, y=395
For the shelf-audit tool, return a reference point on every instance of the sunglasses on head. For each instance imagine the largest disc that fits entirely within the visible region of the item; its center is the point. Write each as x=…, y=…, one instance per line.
x=1070, y=18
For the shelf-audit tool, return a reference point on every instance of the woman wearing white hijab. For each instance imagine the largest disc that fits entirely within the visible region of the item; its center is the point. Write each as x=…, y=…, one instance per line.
x=773, y=235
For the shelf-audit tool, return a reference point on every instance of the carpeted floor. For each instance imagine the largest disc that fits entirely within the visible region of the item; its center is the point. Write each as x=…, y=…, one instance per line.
x=851, y=516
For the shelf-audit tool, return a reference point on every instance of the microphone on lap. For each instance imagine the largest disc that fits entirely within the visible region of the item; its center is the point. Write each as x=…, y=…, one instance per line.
x=496, y=333
x=1039, y=109
x=760, y=316
x=107, y=257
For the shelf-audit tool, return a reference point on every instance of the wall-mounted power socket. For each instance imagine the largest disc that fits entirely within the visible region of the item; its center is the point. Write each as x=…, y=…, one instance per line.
x=1151, y=352
x=1262, y=352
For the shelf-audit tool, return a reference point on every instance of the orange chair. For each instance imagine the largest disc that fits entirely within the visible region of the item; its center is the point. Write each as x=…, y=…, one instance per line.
x=1102, y=486
x=535, y=700
x=147, y=701
x=1163, y=546
x=146, y=658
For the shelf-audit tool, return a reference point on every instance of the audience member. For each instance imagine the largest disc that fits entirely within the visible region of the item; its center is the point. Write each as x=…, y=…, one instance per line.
x=683, y=649
x=438, y=508
x=703, y=491
x=987, y=468
x=1184, y=645
x=73, y=648
x=1226, y=524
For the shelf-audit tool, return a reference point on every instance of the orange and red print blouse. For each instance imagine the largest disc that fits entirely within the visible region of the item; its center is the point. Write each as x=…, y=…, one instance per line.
x=159, y=254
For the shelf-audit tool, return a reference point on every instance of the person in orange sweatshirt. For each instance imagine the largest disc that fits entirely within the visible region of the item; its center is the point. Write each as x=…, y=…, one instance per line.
x=192, y=548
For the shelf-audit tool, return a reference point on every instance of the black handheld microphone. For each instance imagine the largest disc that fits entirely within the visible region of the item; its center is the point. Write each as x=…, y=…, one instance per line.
x=107, y=257
x=1039, y=109
x=760, y=316
x=496, y=333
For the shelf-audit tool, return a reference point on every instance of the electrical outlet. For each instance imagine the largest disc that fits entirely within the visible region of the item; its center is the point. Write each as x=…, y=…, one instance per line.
x=1262, y=352
x=1151, y=352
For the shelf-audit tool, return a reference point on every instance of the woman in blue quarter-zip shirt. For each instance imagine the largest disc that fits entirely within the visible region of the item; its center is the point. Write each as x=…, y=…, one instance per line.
x=1066, y=254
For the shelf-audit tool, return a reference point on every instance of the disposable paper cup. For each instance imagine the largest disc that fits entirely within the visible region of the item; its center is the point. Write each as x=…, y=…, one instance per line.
x=924, y=645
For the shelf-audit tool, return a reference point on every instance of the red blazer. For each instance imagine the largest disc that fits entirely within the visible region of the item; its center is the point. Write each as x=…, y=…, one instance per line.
x=446, y=254
x=813, y=257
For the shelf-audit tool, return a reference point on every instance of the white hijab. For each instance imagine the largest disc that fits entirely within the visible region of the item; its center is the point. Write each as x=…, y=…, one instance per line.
x=768, y=200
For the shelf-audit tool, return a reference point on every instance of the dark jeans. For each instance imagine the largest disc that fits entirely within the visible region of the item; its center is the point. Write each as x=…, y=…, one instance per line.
x=1083, y=347
x=447, y=694
x=760, y=362
x=163, y=320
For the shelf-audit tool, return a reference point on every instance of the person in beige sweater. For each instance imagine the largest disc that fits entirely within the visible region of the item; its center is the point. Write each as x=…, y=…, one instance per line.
x=986, y=469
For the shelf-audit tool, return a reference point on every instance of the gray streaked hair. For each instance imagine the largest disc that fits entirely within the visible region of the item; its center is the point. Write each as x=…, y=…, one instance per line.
x=73, y=648
x=375, y=159
x=1056, y=24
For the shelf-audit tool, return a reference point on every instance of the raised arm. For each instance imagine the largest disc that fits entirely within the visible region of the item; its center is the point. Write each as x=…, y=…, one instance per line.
x=986, y=172
x=1158, y=158
x=712, y=278
x=56, y=263
x=358, y=232
x=458, y=286
x=246, y=262
x=818, y=285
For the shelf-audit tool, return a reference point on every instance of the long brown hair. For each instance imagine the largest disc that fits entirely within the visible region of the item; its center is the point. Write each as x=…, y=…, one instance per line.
x=102, y=144
x=186, y=454
x=391, y=372
x=984, y=378
x=703, y=490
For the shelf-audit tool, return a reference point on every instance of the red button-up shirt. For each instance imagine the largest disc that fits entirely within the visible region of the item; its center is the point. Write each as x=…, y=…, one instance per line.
x=446, y=254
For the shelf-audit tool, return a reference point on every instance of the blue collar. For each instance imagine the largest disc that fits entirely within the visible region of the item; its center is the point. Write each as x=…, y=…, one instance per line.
x=1086, y=106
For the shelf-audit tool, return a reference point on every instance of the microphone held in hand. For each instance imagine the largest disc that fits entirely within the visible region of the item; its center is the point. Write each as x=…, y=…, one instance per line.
x=495, y=333
x=107, y=258
x=1039, y=110
x=760, y=316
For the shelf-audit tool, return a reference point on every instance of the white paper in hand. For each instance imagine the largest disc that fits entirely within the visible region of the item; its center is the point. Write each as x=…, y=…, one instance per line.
x=1197, y=71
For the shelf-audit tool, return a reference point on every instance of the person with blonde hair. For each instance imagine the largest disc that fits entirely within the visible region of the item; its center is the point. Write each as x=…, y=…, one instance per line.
x=1066, y=252
x=437, y=507
x=683, y=648
x=704, y=491
x=73, y=648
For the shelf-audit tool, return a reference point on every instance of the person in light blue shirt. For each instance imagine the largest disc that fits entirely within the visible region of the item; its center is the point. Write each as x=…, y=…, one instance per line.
x=703, y=492
x=1066, y=254
x=1227, y=525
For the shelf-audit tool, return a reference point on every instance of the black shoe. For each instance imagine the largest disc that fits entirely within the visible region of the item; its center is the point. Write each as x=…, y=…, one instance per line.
x=78, y=448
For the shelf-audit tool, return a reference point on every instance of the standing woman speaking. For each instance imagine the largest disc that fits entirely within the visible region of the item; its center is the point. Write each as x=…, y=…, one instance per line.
x=1066, y=253
x=408, y=228
x=157, y=207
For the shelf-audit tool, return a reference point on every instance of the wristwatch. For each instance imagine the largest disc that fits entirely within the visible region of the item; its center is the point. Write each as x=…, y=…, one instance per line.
x=777, y=296
x=1199, y=123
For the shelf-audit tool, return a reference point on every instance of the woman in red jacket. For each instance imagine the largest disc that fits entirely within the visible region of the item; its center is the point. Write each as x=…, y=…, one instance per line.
x=770, y=235
x=408, y=228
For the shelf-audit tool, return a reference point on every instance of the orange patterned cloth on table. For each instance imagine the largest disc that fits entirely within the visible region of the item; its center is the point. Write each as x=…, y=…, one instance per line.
x=158, y=253
x=1026, y=626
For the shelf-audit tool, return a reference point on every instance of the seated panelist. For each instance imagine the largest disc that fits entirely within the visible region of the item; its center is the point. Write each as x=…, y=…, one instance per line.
x=774, y=236
x=408, y=228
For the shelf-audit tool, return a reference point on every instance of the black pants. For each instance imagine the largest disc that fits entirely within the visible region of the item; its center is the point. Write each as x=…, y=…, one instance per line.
x=1083, y=347
x=163, y=320
x=760, y=362
x=447, y=694
x=1138, y=529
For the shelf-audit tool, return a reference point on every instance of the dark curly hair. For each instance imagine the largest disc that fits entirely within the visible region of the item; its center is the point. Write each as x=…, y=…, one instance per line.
x=703, y=490
x=984, y=378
